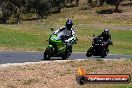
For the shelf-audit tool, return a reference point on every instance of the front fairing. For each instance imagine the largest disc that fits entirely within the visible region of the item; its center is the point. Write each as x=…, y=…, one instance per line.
x=98, y=44
x=54, y=39
x=56, y=42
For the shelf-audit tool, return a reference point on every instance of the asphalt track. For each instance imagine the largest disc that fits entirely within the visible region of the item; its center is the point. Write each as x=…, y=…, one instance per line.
x=22, y=57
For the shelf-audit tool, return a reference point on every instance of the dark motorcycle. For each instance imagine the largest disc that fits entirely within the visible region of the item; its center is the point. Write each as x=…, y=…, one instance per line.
x=98, y=47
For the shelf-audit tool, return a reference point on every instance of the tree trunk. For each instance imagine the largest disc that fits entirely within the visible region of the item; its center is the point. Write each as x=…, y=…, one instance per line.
x=77, y=2
x=117, y=8
x=117, y=5
x=90, y=2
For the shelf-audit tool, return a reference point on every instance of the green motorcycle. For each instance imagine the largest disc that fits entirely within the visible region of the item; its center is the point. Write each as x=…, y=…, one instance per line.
x=57, y=47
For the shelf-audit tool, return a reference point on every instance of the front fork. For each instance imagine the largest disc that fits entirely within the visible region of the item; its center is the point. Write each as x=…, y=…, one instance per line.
x=55, y=51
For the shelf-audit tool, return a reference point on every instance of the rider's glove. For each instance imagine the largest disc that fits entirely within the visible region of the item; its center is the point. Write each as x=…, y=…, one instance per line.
x=66, y=41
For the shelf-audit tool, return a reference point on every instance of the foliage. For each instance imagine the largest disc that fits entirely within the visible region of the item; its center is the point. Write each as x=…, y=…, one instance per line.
x=15, y=8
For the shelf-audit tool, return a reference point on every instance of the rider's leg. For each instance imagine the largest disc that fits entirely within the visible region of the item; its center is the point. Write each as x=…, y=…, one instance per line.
x=69, y=48
x=106, y=47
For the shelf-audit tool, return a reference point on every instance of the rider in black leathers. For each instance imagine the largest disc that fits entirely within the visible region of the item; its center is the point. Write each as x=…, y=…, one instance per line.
x=106, y=38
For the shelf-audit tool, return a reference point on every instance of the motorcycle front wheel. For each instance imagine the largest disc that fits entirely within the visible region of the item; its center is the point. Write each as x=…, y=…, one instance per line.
x=103, y=54
x=47, y=53
x=89, y=52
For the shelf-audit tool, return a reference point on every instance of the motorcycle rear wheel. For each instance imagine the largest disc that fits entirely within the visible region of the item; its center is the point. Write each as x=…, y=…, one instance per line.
x=64, y=57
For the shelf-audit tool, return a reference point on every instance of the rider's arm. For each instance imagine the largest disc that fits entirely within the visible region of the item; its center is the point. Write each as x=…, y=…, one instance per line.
x=110, y=36
x=110, y=41
x=100, y=35
x=73, y=32
x=73, y=36
x=58, y=30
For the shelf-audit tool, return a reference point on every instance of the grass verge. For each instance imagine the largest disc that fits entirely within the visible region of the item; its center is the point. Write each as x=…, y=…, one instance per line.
x=36, y=39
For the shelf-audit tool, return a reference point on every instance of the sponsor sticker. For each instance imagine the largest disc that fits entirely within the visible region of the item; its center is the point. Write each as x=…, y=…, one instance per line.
x=84, y=78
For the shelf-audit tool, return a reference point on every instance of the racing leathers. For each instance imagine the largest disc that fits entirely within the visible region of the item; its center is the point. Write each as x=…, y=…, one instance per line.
x=106, y=39
x=70, y=37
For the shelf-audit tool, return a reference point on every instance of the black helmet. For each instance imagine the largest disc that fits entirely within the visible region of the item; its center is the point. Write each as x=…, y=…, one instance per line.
x=69, y=24
x=106, y=31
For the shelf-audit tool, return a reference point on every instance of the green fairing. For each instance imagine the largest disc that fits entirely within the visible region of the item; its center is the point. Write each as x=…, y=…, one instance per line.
x=55, y=41
x=57, y=47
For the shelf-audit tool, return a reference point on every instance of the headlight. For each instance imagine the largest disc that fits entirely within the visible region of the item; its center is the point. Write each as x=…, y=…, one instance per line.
x=53, y=38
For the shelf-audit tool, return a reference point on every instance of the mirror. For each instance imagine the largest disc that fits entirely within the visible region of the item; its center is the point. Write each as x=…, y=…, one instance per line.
x=52, y=29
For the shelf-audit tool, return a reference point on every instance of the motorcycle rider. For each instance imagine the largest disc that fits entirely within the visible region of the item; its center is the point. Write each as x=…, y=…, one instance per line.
x=70, y=35
x=106, y=38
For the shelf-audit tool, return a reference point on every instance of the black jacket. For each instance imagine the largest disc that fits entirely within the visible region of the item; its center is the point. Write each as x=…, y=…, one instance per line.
x=106, y=37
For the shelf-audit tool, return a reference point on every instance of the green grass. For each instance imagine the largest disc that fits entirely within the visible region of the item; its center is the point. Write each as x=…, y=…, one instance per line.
x=122, y=41
x=37, y=41
x=12, y=38
x=32, y=35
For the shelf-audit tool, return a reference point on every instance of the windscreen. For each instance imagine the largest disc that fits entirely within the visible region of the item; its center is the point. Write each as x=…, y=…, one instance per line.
x=61, y=34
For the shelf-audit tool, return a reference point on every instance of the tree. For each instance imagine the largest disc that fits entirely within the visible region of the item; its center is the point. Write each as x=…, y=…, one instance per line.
x=42, y=8
x=77, y=2
x=7, y=9
x=19, y=5
x=114, y=2
x=100, y=2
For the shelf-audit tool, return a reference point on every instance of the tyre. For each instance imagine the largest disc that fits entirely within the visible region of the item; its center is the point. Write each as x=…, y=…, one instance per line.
x=47, y=53
x=64, y=57
x=89, y=52
x=67, y=53
x=103, y=54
